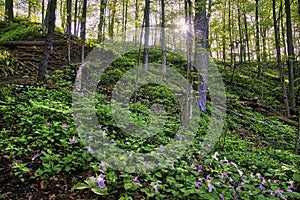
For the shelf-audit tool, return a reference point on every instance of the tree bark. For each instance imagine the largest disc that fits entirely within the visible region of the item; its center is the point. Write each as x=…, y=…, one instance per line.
x=163, y=39
x=101, y=22
x=9, y=10
x=75, y=16
x=257, y=45
x=291, y=55
x=48, y=45
x=147, y=31
x=34, y=43
x=279, y=61
x=83, y=27
x=69, y=23
x=201, y=47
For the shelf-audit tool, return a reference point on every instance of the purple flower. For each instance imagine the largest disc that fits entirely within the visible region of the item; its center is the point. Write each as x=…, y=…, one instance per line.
x=272, y=193
x=224, y=174
x=90, y=137
x=161, y=147
x=262, y=187
x=231, y=186
x=100, y=180
x=259, y=176
x=47, y=124
x=193, y=165
x=64, y=126
x=289, y=189
x=211, y=188
x=135, y=180
x=89, y=150
x=239, y=187
x=73, y=140
x=222, y=196
x=279, y=191
x=172, y=165
x=112, y=141
x=103, y=165
x=197, y=184
x=155, y=187
x=236, y=196
x=200, y=169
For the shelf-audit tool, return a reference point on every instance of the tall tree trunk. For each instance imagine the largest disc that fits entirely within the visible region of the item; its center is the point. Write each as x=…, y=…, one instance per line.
x=240, y=37
x=291, y=55
x=257, y=45
x=247, y=37
x=9, y=10
x=43, y=16
x=136, y=20
x=201, y=54
x=83, y=25
x=230, y=34
x=163, y=39
x=75, y=16
x=69, y=23
x=101, y=22
x=279, y=61
x=224, y=36
x=147, y=31
x=112, y=20
x=48, y=45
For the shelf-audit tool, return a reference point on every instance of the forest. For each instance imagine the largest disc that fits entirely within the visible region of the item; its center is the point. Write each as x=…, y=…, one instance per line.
x=150, y=99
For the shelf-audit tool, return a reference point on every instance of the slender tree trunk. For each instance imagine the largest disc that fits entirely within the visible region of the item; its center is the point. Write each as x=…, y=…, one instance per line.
x=48, y=45
x=75, y=16
x=279, y=61
x=83, y=24
x=291, y=55
x=136, y=20
x=147, y=31
x=9, y=10
x=29, y=9
x=240, y=37
x=257, y=45
x=298, y=138
x=112, y=20
x=163, y=39
x=224, y=37
x=230, y=34
x=43, y=16
x=201, y=54
x=247, y=37
x=101, y=22
x=69, y=23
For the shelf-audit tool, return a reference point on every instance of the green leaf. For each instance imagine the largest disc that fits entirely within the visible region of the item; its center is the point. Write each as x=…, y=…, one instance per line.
x=80, y=186
x=99, y=191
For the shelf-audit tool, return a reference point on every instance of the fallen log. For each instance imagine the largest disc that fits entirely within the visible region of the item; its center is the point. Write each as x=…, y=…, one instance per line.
x=34, y=43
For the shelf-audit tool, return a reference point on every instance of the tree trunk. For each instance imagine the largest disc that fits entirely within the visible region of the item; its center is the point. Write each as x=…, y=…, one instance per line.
x=291, y=55
x=163, y=39
x=9, y=10
x=247, y=37
x=279, y=62
x=69, y=23
x=101, y=22
x=257, y=47
x=201, y=47
x=147, y=31
x=224, y=37
x=112, y=20
x=83, y=25
x=48, y=45
x=75, y=16
x=43, y=16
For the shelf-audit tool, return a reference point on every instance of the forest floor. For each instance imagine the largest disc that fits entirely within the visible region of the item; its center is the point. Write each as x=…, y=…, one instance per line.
x=26, y=60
